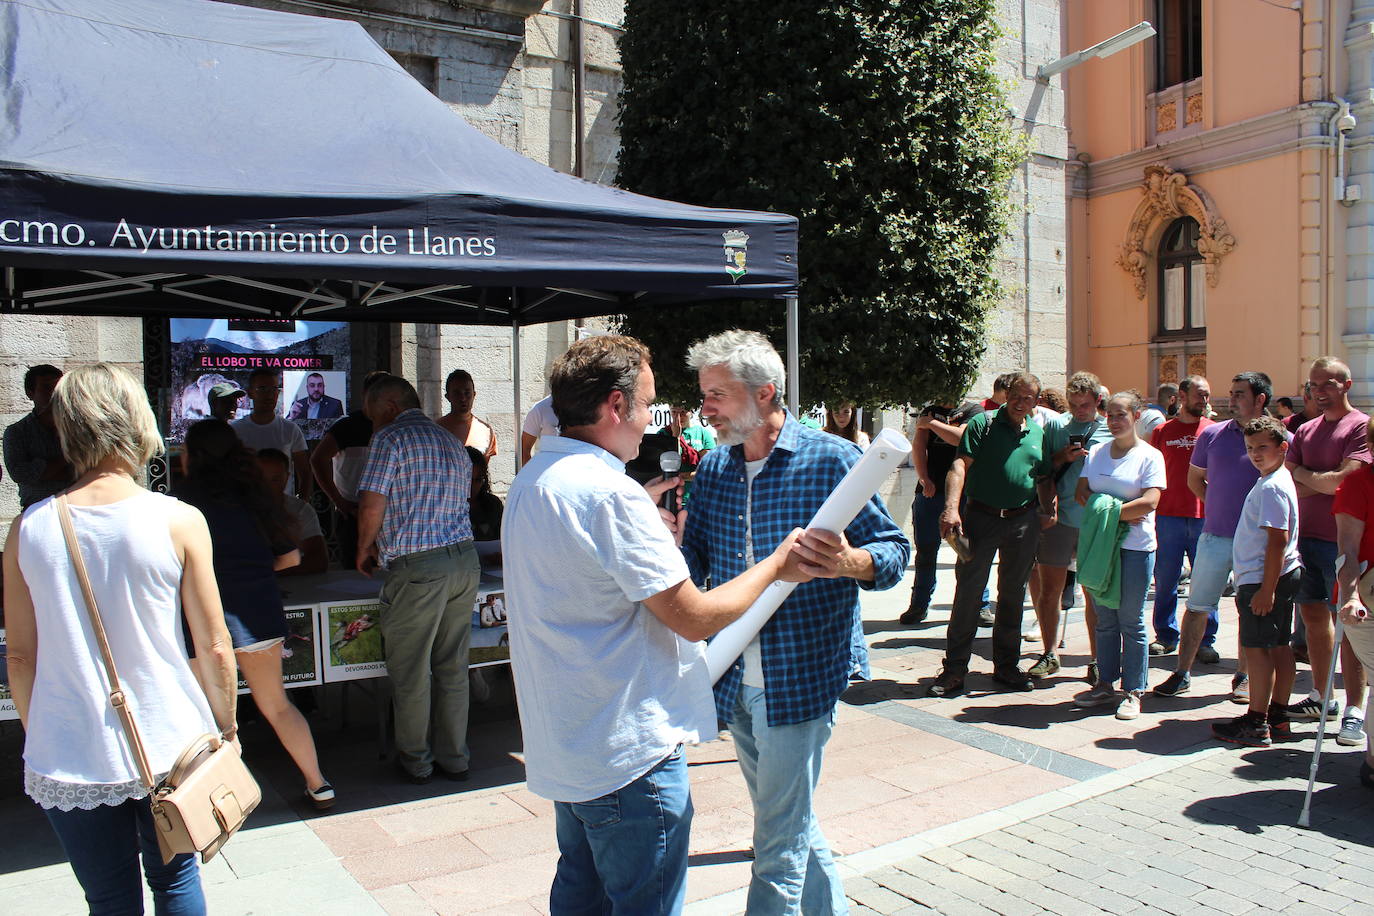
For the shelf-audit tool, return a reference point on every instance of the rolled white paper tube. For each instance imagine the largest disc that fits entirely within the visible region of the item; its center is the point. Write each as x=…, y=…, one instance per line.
x=839, y=509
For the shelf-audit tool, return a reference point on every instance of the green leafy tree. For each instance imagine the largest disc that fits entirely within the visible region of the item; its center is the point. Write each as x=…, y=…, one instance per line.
x=881, y=126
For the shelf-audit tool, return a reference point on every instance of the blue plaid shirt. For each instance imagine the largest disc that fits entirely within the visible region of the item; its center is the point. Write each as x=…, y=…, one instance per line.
x=805, y=647
x=426, y=475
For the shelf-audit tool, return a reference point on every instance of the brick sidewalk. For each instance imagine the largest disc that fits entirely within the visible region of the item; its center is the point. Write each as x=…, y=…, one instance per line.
x=910, y=785
x=1218, y=834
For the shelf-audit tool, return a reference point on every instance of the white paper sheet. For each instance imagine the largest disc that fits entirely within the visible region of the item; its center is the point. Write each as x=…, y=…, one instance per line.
x=885, y=453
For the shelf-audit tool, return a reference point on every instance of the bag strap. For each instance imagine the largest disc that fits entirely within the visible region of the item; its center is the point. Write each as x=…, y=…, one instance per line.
x=117, y=697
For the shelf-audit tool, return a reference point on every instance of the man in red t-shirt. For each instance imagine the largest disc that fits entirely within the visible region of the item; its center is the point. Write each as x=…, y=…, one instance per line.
x=999, y=393
x=1178, y=520
x=1354, y=511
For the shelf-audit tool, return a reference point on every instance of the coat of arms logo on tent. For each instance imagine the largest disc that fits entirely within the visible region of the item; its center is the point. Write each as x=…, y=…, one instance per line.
x=736, y=247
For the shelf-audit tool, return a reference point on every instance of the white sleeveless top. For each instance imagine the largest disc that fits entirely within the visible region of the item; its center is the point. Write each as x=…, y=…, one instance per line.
x=75, y=752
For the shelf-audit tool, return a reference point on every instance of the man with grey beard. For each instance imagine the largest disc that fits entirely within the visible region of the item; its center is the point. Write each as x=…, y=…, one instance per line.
x=769, y=475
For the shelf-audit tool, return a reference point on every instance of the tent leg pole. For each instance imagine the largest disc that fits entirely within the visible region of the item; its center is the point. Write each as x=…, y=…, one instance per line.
x=793, y=357
x=516, y=450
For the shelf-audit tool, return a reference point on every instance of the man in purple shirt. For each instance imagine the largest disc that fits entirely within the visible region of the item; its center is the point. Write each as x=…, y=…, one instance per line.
x=1324, y=452
x=1221, y=474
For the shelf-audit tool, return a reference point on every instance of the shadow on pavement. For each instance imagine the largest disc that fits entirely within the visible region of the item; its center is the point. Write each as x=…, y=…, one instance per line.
x=347, y=741
x=724, y=857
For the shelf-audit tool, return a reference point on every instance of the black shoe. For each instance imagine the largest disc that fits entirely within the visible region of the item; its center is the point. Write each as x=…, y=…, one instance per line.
x=1280, y=726
x=1208, y=656
x=1366, y=774
x=1247, y=730
x=1174, y=685
x=415, y=779
x=452, y=775
x=946, y=685
x=986, y=618
x=1014, y=679
x=912, y=616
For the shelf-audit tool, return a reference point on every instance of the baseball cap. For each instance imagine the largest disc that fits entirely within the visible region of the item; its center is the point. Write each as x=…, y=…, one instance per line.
x=226, y=390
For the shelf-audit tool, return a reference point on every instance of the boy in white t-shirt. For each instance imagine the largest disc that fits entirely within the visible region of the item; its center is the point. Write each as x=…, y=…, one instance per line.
x=1265, y=560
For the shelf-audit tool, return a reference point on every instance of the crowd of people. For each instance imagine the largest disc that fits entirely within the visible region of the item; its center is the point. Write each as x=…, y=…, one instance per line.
x=1116, y=496
x=614, y=586
x=188, y=589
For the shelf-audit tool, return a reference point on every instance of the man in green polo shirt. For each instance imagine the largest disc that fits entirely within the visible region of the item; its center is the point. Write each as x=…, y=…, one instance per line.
x=1004, y=474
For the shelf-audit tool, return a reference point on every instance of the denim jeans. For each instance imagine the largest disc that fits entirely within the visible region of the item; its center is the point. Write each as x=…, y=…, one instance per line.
x=925, y=527
x=1177, y=536
x=626, y=852
x=1122, y=649
x=103, y=845
x=794, y=871
x=1211, y=570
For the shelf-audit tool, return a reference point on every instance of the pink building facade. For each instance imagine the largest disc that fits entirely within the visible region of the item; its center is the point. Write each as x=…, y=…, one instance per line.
x=1221, y=191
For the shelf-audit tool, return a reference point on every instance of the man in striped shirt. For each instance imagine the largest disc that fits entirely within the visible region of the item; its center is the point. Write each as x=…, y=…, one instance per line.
x=413, y=520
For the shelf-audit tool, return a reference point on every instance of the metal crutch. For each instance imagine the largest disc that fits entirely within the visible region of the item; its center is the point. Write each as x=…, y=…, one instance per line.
x=1305, y=818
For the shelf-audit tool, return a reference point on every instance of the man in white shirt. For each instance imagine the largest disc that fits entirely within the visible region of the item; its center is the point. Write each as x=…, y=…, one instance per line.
x=540, y=421
x=1166, y=402
x=265, y=428
x=605, y=626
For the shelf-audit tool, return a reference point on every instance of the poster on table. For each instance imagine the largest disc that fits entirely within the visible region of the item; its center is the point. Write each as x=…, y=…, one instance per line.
x=490, y=642
x=300, y=651
x=7, y=708
x=312, y=357
x=352, y=634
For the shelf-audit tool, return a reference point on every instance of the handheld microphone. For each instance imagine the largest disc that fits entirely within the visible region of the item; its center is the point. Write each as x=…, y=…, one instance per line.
x=670, y=463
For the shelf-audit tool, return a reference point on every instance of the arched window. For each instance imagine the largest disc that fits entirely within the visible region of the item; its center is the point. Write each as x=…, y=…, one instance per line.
x=1182, y=282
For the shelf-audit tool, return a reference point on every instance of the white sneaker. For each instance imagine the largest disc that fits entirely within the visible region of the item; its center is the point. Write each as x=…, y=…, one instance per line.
x=1130, y=706
x=1100, y=695
x=1352, y=731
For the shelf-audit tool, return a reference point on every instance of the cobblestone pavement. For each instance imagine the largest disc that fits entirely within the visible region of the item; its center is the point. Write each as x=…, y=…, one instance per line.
x=1218, y=834
x=986, y=803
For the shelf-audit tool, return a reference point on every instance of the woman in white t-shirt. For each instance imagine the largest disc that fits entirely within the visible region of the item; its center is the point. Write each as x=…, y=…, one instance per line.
x=1132, y=471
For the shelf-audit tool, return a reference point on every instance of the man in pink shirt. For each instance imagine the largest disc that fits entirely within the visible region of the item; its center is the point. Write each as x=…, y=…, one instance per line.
x=1324, y=452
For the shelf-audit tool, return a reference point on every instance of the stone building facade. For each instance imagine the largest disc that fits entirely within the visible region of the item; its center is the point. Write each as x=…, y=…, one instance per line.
x=511, y=68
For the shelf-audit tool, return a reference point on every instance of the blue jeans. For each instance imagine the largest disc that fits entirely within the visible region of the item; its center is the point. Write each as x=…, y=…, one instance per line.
x=104, y=844
x=1176, y=536
x=794, y=871
x=925, y=525
x=1122, y=649
x=626, y=852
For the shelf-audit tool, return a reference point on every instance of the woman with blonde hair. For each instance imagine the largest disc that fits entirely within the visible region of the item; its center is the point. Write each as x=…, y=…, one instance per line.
x=149, y=561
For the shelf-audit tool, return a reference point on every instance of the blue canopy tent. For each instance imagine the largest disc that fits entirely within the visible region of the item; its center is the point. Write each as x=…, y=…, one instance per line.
x=195, y=158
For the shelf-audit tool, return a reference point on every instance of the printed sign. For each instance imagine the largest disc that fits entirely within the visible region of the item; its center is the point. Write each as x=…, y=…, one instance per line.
x=490, y=643
x=352, y=640
x=7, y=708
x=300, y=651
x=312, y=359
